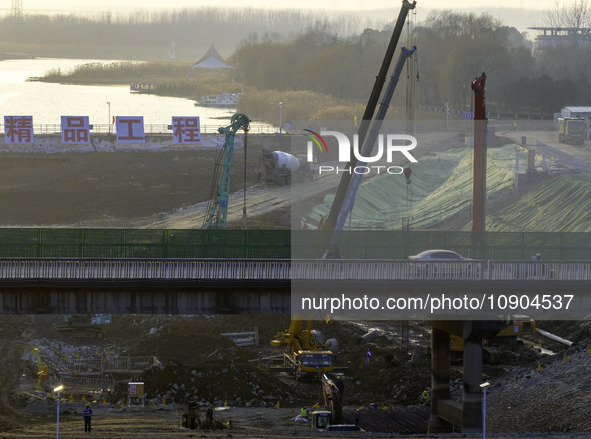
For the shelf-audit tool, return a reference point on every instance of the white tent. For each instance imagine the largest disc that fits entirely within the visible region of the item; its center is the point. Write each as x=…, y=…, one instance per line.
x=212, y=60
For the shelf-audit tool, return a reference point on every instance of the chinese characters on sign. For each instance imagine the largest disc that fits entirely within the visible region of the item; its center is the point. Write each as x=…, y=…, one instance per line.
x=130, y=129
x=18, y=129
x=186, y=130
x=75, y=129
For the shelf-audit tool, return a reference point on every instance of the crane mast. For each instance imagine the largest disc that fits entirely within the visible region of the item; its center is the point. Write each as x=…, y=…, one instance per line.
x=217, y=208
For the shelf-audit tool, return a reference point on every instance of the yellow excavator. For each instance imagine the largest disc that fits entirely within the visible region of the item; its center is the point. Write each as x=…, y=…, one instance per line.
x=305, y=351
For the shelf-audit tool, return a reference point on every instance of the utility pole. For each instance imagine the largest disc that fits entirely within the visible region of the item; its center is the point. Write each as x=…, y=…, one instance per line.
x=16, y=10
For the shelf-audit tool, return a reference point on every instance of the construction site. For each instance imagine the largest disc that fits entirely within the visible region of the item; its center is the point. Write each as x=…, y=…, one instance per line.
x=187, y=361
x=278, y=375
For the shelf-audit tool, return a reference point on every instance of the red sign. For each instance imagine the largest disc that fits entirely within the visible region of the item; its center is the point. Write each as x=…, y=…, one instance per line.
x=18, y=129
x=130, y=129
x=75, y=129
x=186, y=130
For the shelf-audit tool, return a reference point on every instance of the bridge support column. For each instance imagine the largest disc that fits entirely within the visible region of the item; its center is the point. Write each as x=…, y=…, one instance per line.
x=439, y=380
x=472, y=399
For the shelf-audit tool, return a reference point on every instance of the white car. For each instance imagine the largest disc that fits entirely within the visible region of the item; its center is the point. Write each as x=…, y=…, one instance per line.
x=438, y=255
x=432, y=271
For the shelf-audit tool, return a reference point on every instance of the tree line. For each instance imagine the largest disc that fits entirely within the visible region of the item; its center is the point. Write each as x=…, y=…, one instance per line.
x=150, y=35
x=453, y=49
x=324, y=61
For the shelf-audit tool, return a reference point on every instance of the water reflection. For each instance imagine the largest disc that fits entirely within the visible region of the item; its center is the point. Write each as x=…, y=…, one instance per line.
x=46, y=102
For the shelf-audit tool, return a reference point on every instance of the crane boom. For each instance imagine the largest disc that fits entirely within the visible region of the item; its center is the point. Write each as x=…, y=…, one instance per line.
x=330, y=221
x=217, y=207
x=370, y=141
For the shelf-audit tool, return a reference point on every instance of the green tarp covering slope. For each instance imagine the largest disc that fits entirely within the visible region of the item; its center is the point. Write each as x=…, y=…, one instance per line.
x=441, y=187
x=561, y=203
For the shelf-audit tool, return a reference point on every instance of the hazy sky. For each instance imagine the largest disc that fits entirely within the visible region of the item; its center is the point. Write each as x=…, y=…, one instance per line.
x=511, y=12
x=123, y=5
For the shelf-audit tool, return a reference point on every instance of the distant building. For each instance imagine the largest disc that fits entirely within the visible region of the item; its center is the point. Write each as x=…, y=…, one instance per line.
x=561, y=36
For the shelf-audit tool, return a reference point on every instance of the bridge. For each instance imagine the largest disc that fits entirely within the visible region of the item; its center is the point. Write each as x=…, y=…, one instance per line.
x=179, y=286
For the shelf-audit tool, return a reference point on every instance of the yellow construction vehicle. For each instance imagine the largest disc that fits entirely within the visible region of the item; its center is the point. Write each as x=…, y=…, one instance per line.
x=305, y=351
x=518, y=327
x=331, y=418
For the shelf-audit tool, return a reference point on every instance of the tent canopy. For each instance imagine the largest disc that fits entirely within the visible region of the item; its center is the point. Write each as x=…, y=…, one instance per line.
x=212, y=60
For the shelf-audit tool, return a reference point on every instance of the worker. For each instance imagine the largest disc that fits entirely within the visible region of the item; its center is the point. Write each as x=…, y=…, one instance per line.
x=425, y=398
x=87, y=414
x=514, y=124
x=304, y=413
x=340, y=384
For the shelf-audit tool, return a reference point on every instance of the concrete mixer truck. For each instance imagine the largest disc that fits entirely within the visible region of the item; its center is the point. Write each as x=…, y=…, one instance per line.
x=282, y=168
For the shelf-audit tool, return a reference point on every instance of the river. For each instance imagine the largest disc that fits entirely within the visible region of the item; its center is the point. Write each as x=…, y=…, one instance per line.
x=46, y=102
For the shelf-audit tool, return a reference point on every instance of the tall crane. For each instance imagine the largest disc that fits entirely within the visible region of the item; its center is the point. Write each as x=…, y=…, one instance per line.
x=330, y=221
x=369, y=142
x=217, y=207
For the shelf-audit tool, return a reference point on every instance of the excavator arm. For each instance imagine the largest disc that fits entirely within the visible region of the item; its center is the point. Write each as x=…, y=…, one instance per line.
x=332, y=399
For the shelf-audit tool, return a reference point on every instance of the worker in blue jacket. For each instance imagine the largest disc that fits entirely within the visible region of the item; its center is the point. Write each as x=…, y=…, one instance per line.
x=87, y=414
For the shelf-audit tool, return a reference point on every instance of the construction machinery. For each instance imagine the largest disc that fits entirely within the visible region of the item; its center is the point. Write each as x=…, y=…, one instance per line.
x=332, y=417
x=281, y=168
x=344, y=190
x=517, y=327
x=571, y=130
x=217, y=207
x=305, y=351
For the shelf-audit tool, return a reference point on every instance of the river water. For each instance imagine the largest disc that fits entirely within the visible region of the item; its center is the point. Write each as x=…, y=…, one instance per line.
x=46, y=102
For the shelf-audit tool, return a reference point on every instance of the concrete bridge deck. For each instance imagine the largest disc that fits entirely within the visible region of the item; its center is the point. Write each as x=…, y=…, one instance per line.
x=79, y=286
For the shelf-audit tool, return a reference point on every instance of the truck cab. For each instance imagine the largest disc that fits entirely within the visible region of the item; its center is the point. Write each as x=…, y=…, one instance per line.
x=310, y=364
x=571, y=130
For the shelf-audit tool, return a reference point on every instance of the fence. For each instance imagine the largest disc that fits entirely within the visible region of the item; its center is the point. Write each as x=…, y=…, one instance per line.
x=165, y=129
x=284, y=244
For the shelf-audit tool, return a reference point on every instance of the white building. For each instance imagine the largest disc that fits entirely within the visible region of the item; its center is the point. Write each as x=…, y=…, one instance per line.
x=584, y=112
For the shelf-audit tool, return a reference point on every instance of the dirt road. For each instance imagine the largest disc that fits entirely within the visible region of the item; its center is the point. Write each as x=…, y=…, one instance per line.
x=150, y=423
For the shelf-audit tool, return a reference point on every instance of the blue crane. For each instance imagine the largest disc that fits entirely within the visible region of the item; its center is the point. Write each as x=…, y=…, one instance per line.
x=217, y=207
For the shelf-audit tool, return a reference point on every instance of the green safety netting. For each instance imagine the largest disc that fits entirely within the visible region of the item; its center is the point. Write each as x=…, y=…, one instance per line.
x=441, y=187
x=561, y=203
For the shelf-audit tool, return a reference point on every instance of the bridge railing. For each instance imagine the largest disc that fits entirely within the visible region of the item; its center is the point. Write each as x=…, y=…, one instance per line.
x=286, y=269
x=46, y=268
x=539, y=270
x=384, y=269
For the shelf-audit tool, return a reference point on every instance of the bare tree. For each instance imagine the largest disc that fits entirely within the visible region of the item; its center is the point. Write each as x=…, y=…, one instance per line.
x=573, y=18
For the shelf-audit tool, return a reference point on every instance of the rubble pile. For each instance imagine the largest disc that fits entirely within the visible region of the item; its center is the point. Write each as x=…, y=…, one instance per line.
x=198, y=364
x=553, y=394
x=216, y=383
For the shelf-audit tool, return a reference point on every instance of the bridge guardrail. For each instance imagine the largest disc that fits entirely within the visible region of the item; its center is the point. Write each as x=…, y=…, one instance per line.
x=286, y=269
x=539, y=270
x=43, y=268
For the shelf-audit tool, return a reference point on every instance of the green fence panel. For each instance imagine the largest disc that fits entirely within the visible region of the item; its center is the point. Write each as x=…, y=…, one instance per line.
x=283, y=244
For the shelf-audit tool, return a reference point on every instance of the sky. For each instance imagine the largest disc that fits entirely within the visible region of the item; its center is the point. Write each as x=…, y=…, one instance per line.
x=511, y=13
x=126, y=5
